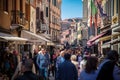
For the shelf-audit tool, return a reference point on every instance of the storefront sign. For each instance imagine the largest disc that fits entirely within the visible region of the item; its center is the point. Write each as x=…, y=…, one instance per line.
x=114, y=19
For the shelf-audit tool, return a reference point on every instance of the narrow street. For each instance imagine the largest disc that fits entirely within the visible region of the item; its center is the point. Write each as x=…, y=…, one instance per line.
x=44, y=31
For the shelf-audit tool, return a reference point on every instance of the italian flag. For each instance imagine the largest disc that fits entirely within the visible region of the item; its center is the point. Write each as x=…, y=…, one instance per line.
x=92, y=13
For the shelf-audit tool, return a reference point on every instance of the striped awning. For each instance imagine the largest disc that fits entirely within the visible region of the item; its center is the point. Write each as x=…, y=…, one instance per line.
x=91, y=41
x=109, y=37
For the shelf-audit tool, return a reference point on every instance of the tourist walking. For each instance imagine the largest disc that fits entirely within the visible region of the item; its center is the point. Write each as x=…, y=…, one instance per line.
x=67, y=70
x=43, y=63
x=60, y=59
x=73, y=60
x=27, y=71
x=106, y=68
x=90, y=71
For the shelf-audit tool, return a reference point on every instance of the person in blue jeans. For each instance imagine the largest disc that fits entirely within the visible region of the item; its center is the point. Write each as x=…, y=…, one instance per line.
x=43, y=63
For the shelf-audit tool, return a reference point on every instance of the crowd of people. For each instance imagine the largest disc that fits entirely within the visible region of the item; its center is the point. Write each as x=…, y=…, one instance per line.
x=67, y=64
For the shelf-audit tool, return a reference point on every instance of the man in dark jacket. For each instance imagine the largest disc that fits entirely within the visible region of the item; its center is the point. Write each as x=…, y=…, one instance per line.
x=27, y=71
x=106, y=68
x=67, y=70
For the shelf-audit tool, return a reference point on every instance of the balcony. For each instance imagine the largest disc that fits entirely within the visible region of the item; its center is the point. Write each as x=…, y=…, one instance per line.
x=106, y=23
x=17, y=19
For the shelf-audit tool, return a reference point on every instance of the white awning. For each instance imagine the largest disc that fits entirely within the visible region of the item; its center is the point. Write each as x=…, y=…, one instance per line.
x=9, y=37
x=14, y=38
x=33, y=37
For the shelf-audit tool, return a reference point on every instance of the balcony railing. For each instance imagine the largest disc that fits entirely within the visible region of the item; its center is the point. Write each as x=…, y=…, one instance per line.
x=17, y=18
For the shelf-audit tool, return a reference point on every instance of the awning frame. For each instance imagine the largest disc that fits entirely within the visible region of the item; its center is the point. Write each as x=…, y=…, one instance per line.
x=39, y=38
x=8, y=37
x=13, y=38
x=96, y=37
x=108, y=37
x=90, y=42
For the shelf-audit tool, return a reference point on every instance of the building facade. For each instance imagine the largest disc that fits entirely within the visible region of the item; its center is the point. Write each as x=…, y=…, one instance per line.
x=85, y=10
x=13, y=20
x=31, y=22
x=111, y=41
x=71, y=31
x=109, y=25
x=115, y=40
x=55, y=18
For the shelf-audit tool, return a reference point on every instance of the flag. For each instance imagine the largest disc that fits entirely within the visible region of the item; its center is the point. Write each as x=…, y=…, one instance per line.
x=95, y=20
x=90, y=21
x=102, y=14
x=93, y=12
x=93, y=8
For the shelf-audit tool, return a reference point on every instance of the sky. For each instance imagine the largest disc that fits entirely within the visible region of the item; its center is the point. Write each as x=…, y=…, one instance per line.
x=71, y=9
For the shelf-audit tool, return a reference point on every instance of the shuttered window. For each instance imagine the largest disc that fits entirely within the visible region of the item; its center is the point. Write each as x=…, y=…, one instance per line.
x=5, y=5
x=46, y=11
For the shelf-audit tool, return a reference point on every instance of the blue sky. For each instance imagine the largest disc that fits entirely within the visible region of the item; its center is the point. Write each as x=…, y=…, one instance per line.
x=71, y=9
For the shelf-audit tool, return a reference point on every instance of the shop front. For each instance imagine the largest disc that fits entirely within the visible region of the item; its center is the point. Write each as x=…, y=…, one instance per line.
x=116, y=42
x=9, y=52
x=110, y=42
x=94, y=43
x=34, y=40
x=10, y=40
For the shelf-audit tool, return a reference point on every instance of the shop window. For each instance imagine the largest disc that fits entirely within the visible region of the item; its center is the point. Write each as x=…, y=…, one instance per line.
x=21, y=48
x=106, y=50
x=115, y=47
x=26, y=47
x=95, y=49
x=98, y=30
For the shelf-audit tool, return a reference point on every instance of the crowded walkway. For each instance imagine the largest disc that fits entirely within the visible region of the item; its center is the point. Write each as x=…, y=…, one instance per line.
x=65, y=64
